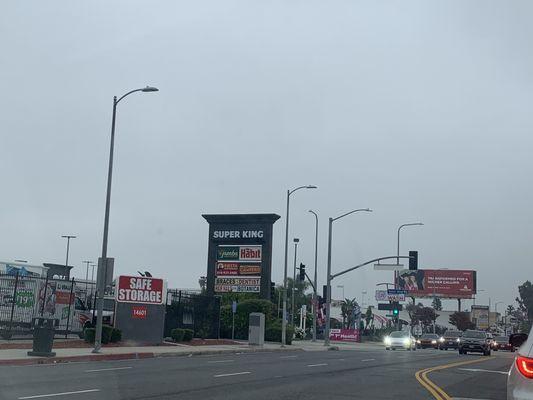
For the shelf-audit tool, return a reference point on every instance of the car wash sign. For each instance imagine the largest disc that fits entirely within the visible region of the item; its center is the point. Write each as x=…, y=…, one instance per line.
x=140, y=290
x=240, y=253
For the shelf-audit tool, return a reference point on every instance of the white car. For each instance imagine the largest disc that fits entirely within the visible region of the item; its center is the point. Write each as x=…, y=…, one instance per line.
x=520, y=380
x=400, y=340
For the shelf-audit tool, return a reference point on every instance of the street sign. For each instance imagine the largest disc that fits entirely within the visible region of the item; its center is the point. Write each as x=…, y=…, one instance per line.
x=389, y=306
x=396, y=291
x=234, y=307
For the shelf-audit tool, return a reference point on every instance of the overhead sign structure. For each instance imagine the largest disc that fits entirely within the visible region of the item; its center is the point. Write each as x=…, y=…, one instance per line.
x=240, y=253
x=140, y=289
x=443, y=283
x=390, y=295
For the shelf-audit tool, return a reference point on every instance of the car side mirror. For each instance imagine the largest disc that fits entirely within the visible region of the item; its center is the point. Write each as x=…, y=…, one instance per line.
x=517, y=339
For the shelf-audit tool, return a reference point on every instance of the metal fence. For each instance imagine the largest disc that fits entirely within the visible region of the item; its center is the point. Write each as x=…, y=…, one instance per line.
x=24, y=297
x=194, y=311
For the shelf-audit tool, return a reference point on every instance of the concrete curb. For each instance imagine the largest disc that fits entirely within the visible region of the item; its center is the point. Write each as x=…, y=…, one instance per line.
x=136, y=356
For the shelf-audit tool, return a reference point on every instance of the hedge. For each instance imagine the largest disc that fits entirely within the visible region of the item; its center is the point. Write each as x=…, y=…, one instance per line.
x=109, y=334
x=182, y=335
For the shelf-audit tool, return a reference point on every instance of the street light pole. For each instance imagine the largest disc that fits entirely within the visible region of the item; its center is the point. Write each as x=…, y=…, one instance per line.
x=293, y=311
x=100, y=278
x=68, y=237
x=285, y=267
x=329, y=277
x=315, y=302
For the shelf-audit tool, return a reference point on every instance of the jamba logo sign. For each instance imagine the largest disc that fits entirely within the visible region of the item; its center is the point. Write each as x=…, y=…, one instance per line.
x=228, y=253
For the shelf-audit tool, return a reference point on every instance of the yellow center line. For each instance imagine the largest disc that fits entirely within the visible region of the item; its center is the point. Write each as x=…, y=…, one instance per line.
x=431, y=387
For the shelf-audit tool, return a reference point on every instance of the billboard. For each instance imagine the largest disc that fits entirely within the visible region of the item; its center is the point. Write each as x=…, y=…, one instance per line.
x=444, y=283
x=141, y=290
x=344, y=335
x=480, y=317
x=238, y=284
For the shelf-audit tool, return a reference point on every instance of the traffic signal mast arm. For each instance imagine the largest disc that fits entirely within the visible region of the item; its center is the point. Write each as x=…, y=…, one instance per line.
x=366, y=263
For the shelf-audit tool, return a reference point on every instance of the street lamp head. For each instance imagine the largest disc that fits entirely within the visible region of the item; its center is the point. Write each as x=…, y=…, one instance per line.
x=368, y=210
x=311, y=187
x=296, y=240
x=150, y=89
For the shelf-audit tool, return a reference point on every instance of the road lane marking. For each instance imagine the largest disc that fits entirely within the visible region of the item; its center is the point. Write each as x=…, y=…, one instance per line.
x=220, y=361
x=58, y=394
x=430, y=386
x=108, y=369
x=317, y=365
x=288, y=357
x=483, y=370
x=368, y=359
x=232, y=374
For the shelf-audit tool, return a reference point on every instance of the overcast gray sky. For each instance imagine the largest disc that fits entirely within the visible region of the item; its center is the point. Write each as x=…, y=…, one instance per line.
x=420, y=110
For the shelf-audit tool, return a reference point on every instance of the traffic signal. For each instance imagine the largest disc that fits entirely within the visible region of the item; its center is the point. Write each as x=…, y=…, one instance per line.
x=272, y=290
x=325, y=292
x=302, y=272
x=396, y=308
x=413, y=260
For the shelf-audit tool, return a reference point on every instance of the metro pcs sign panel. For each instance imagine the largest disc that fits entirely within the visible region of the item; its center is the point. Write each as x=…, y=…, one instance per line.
x=140, y=289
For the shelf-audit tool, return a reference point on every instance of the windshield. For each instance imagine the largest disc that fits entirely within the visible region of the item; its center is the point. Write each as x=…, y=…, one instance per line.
x=475, y=335
x=452, y=334
x=399, y=334
x=502, y=339
x=429, y=336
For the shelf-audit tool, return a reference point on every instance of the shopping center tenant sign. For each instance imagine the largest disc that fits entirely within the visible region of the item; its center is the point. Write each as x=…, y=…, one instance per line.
x=240, y=253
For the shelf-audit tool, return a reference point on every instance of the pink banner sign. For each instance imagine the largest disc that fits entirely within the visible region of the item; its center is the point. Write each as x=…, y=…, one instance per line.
x=344, y=335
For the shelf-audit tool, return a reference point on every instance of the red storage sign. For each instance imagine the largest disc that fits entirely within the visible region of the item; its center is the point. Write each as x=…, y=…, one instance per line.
x=140, y=289
x=139, y=312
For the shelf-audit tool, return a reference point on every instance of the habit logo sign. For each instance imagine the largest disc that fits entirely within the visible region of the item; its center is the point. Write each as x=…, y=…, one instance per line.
x=239, y=253
x=138, y=289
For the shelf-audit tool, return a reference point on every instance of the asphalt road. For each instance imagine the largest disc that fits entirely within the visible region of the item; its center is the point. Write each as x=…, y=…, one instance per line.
x=374, y=374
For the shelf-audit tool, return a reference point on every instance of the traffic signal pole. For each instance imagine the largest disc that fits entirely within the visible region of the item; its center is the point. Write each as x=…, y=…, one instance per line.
x=331, y=276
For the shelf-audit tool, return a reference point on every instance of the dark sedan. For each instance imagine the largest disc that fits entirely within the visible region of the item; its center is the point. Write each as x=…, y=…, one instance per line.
x=450, y=340
x=502, y=343
x=428, y=340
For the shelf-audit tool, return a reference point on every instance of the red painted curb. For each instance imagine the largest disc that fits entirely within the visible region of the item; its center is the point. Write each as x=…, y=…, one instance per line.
x=89, y=357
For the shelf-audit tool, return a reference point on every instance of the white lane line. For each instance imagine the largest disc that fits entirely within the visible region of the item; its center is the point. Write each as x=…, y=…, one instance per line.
x=341, y=359
x=58, y=394
x=317, y=365
x=483, y=370
x=466, y=398
x=288, y=357
x=220, y=361
x=108, y=369
x=368, y=359
x=233, y=374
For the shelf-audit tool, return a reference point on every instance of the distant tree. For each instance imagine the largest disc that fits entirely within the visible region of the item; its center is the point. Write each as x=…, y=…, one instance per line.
x=525, y=301
x=461, y=320
x=369, y=317
x=437, y=304
x=427, y=316
x=347, y=311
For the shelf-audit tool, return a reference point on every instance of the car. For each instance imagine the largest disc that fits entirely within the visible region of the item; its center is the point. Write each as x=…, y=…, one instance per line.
x=428, y=340
x=450, y=340
x=502, y=343
x=520, y=378
x=400, y=340
x=474, y=342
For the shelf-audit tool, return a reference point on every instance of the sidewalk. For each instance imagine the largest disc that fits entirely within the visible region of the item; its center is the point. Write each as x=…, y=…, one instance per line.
x=20, y=357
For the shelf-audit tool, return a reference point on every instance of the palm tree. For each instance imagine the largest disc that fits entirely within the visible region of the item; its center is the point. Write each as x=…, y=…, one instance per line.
x=347, y=310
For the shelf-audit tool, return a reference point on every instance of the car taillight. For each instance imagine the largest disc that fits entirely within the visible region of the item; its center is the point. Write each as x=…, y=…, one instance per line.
x=525, y=366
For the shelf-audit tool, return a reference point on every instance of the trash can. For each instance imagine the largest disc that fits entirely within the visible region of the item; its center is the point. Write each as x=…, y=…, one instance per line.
x=43, y=336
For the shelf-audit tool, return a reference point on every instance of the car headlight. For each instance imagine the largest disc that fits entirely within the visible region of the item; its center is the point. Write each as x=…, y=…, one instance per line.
x=458, y=340
x=441, y=339
x=387, y=341
x=433, y=342
x=407, y=341
x=418, y=341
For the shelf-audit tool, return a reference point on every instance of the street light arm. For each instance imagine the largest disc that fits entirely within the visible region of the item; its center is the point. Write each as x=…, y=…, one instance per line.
x=351, y=212
x=302, y=187
x=127, y=94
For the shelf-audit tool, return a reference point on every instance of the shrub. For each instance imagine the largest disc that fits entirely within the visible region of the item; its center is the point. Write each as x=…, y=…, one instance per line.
x=89, y=334
x=107, y=331
x=273, y=333
x=188, y=334
x=177, y=334
x=116, y=335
